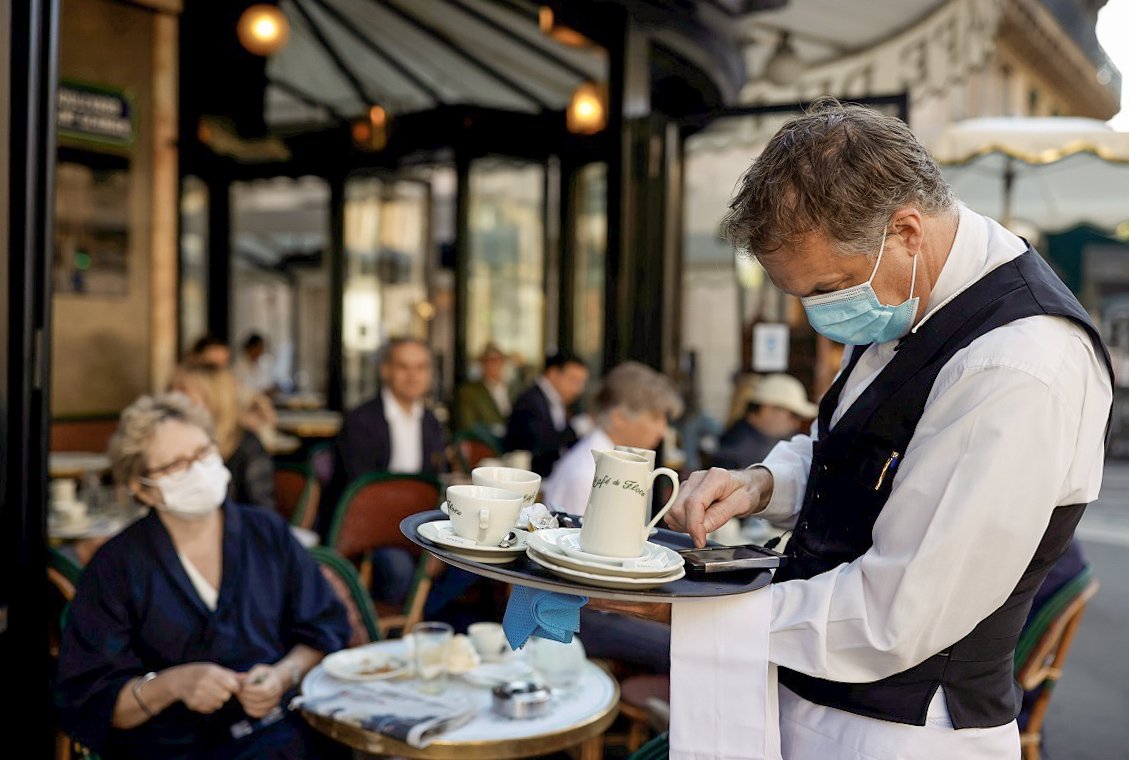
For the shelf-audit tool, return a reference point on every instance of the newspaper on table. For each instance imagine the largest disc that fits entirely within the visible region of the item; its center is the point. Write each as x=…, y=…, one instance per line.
x=396, y=710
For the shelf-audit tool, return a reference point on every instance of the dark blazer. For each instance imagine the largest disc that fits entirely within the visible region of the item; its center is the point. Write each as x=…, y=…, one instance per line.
x=365, y=444
x=531, y=429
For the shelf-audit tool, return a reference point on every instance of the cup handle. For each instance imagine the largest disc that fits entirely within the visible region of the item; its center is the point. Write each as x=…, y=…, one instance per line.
x=670, y=502
x=443, y=508
x=483, y=524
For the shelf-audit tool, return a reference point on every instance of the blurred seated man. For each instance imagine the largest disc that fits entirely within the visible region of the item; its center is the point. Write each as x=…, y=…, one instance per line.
x=393, y=432
x=777, y=410
x=485, y=401
x=210, y=350
x=632, y=408
x=253, y=367
x=539, y=420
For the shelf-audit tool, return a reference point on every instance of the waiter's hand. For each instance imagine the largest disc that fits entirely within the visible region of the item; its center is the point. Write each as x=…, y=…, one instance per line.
x=710, y=498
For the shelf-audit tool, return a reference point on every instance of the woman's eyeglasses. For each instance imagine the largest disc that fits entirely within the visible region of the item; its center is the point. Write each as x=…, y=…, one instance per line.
x=181, y=465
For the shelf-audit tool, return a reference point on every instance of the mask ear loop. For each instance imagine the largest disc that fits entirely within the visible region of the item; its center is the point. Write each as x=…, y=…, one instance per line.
x=913, y=277
x=881, y=250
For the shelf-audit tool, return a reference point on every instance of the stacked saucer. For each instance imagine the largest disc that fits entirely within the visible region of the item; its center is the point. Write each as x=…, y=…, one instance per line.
x=558, y=551
x=440, y=532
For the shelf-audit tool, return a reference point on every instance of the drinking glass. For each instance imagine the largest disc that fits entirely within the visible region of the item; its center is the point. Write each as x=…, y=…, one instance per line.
x=430, y=641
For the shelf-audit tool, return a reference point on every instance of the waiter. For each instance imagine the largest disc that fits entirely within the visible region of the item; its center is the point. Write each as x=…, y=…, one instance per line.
x=951, y=460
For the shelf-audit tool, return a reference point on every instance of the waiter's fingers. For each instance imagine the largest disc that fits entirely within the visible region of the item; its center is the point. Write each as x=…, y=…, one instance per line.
x=705, y=503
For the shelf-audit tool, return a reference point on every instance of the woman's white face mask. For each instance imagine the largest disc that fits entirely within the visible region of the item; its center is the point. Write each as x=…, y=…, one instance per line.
x=196, y=492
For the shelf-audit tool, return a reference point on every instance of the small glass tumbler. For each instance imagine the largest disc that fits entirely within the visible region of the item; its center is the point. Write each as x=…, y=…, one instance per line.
x=431, y=642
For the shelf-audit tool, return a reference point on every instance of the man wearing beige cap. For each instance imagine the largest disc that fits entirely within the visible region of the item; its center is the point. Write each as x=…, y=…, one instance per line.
x=777, y=409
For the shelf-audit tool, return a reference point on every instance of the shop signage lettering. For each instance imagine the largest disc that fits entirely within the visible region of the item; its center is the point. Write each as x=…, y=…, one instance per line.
x=941, y=51
x=97, y=114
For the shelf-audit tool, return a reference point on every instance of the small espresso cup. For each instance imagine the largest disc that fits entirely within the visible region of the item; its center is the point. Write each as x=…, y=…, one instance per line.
x=648, y=454
x=489, y=640
x=482, y=514
x=527, y=483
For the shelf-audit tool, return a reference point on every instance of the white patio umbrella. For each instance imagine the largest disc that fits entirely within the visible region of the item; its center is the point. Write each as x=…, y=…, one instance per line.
x=1052, y=173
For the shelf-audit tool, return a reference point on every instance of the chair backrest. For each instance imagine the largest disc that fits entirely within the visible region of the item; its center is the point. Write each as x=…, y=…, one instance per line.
x=472, y=446
x=296, y=494
x=657, y=748
x=342, y=577
x=322, y=463
x=369, y=513
x=1047, y=636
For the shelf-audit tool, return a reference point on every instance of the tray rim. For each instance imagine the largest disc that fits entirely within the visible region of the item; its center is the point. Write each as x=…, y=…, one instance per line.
x=507, y=574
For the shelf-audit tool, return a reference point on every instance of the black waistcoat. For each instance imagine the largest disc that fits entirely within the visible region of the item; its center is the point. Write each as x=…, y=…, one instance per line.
x=853, y=469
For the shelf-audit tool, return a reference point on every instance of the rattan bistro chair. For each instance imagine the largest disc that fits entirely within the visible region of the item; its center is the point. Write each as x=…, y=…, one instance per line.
x=297, y=493
x=364, y=622
x=1042, y=649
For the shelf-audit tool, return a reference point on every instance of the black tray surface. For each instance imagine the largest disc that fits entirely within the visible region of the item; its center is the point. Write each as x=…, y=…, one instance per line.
x=525, y=572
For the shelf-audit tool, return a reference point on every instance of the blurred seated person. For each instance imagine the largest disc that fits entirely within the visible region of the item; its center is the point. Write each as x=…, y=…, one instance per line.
x=485, y=401
x=777, y=409
x=192, y=628
x=539, y=421
x=254, y=367
x=210, y=350
x=251, y=467
x=256, y=409
x=632, y=408
x=393, y=432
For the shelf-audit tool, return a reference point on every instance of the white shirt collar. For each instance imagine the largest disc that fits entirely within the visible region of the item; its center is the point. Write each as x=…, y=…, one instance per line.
x=980, y=246
x=392, y=408
x=556, y=405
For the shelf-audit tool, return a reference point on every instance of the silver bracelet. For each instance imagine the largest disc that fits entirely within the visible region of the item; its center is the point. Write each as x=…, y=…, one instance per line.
x=137, y=692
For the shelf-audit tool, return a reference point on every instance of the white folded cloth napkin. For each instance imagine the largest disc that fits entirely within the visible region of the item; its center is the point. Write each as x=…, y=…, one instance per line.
x=723, y=690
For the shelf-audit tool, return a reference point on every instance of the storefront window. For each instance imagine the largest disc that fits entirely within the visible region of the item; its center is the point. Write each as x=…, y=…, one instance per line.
x=506, y=281
x=280, y=276
x=386, y=246
x=591, y=248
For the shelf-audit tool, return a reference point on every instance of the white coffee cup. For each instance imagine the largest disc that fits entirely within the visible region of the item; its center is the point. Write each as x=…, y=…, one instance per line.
x=482, y=514
x=489, y=640
x=63, y=490
x=527, y=483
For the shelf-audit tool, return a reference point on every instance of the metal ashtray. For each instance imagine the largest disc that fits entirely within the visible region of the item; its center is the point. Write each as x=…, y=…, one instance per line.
x=521, y=699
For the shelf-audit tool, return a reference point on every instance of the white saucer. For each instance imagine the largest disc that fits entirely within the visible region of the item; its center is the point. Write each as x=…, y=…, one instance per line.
x=366, y=663
x=663, y=561
x=602, y=580
x=440, y=532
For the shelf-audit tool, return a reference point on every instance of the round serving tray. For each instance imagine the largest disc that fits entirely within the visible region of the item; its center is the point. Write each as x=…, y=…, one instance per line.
x=525, y=572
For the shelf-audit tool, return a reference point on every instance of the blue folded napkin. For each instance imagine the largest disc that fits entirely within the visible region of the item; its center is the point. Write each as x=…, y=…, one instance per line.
x=545, y=614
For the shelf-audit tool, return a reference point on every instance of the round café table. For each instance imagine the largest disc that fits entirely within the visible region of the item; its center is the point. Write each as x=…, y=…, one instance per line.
x=579, y=719
x=320, y=423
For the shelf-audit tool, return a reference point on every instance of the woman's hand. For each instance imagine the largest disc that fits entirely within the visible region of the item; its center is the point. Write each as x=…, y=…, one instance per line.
x=263, y=687
x=203, y=687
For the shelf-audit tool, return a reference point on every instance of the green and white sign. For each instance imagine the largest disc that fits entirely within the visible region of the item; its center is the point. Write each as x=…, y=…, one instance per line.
x=96, y=114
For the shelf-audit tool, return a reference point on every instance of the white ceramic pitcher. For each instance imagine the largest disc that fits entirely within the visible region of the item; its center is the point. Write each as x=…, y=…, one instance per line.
x=615, y=520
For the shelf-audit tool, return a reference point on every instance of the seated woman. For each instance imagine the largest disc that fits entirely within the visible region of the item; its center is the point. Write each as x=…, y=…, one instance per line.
x=252, y=470
x=192, y=628
x=632, y=408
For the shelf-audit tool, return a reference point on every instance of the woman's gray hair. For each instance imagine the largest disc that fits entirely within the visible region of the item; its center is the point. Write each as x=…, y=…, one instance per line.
x=842, y=170
x=636, y=388
x=140, y=420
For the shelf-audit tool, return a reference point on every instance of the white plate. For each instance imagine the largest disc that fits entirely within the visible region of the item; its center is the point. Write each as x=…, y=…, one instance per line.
x=490, y=674
x=366, y=663
x=666, y=561
x=440, y=532
x=601, y=580
x=655, y=556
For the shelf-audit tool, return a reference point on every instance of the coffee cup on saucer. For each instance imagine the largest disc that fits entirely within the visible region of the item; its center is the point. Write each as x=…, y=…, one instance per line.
x=482, y=514
x=527, y=483
x=489, y=640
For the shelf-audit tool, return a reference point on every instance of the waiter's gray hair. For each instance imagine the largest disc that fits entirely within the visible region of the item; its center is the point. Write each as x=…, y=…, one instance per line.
x=839, y=169
x=636, y=388
x=140, y=420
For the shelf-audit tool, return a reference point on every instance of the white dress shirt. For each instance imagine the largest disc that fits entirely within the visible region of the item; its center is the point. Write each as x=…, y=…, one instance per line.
x=556, y=405
x=405, y=434
x=569, y=484
x=501, y=395
x=1014, y=426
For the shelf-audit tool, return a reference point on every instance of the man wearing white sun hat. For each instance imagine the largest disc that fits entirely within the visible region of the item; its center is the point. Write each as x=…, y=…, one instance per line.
x=776, y=410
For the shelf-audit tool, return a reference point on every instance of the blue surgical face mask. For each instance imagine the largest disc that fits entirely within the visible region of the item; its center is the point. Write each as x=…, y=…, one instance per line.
x=854, y=315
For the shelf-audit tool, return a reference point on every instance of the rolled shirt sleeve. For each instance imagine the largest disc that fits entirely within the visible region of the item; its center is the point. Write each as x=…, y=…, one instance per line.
x=1003, y=441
